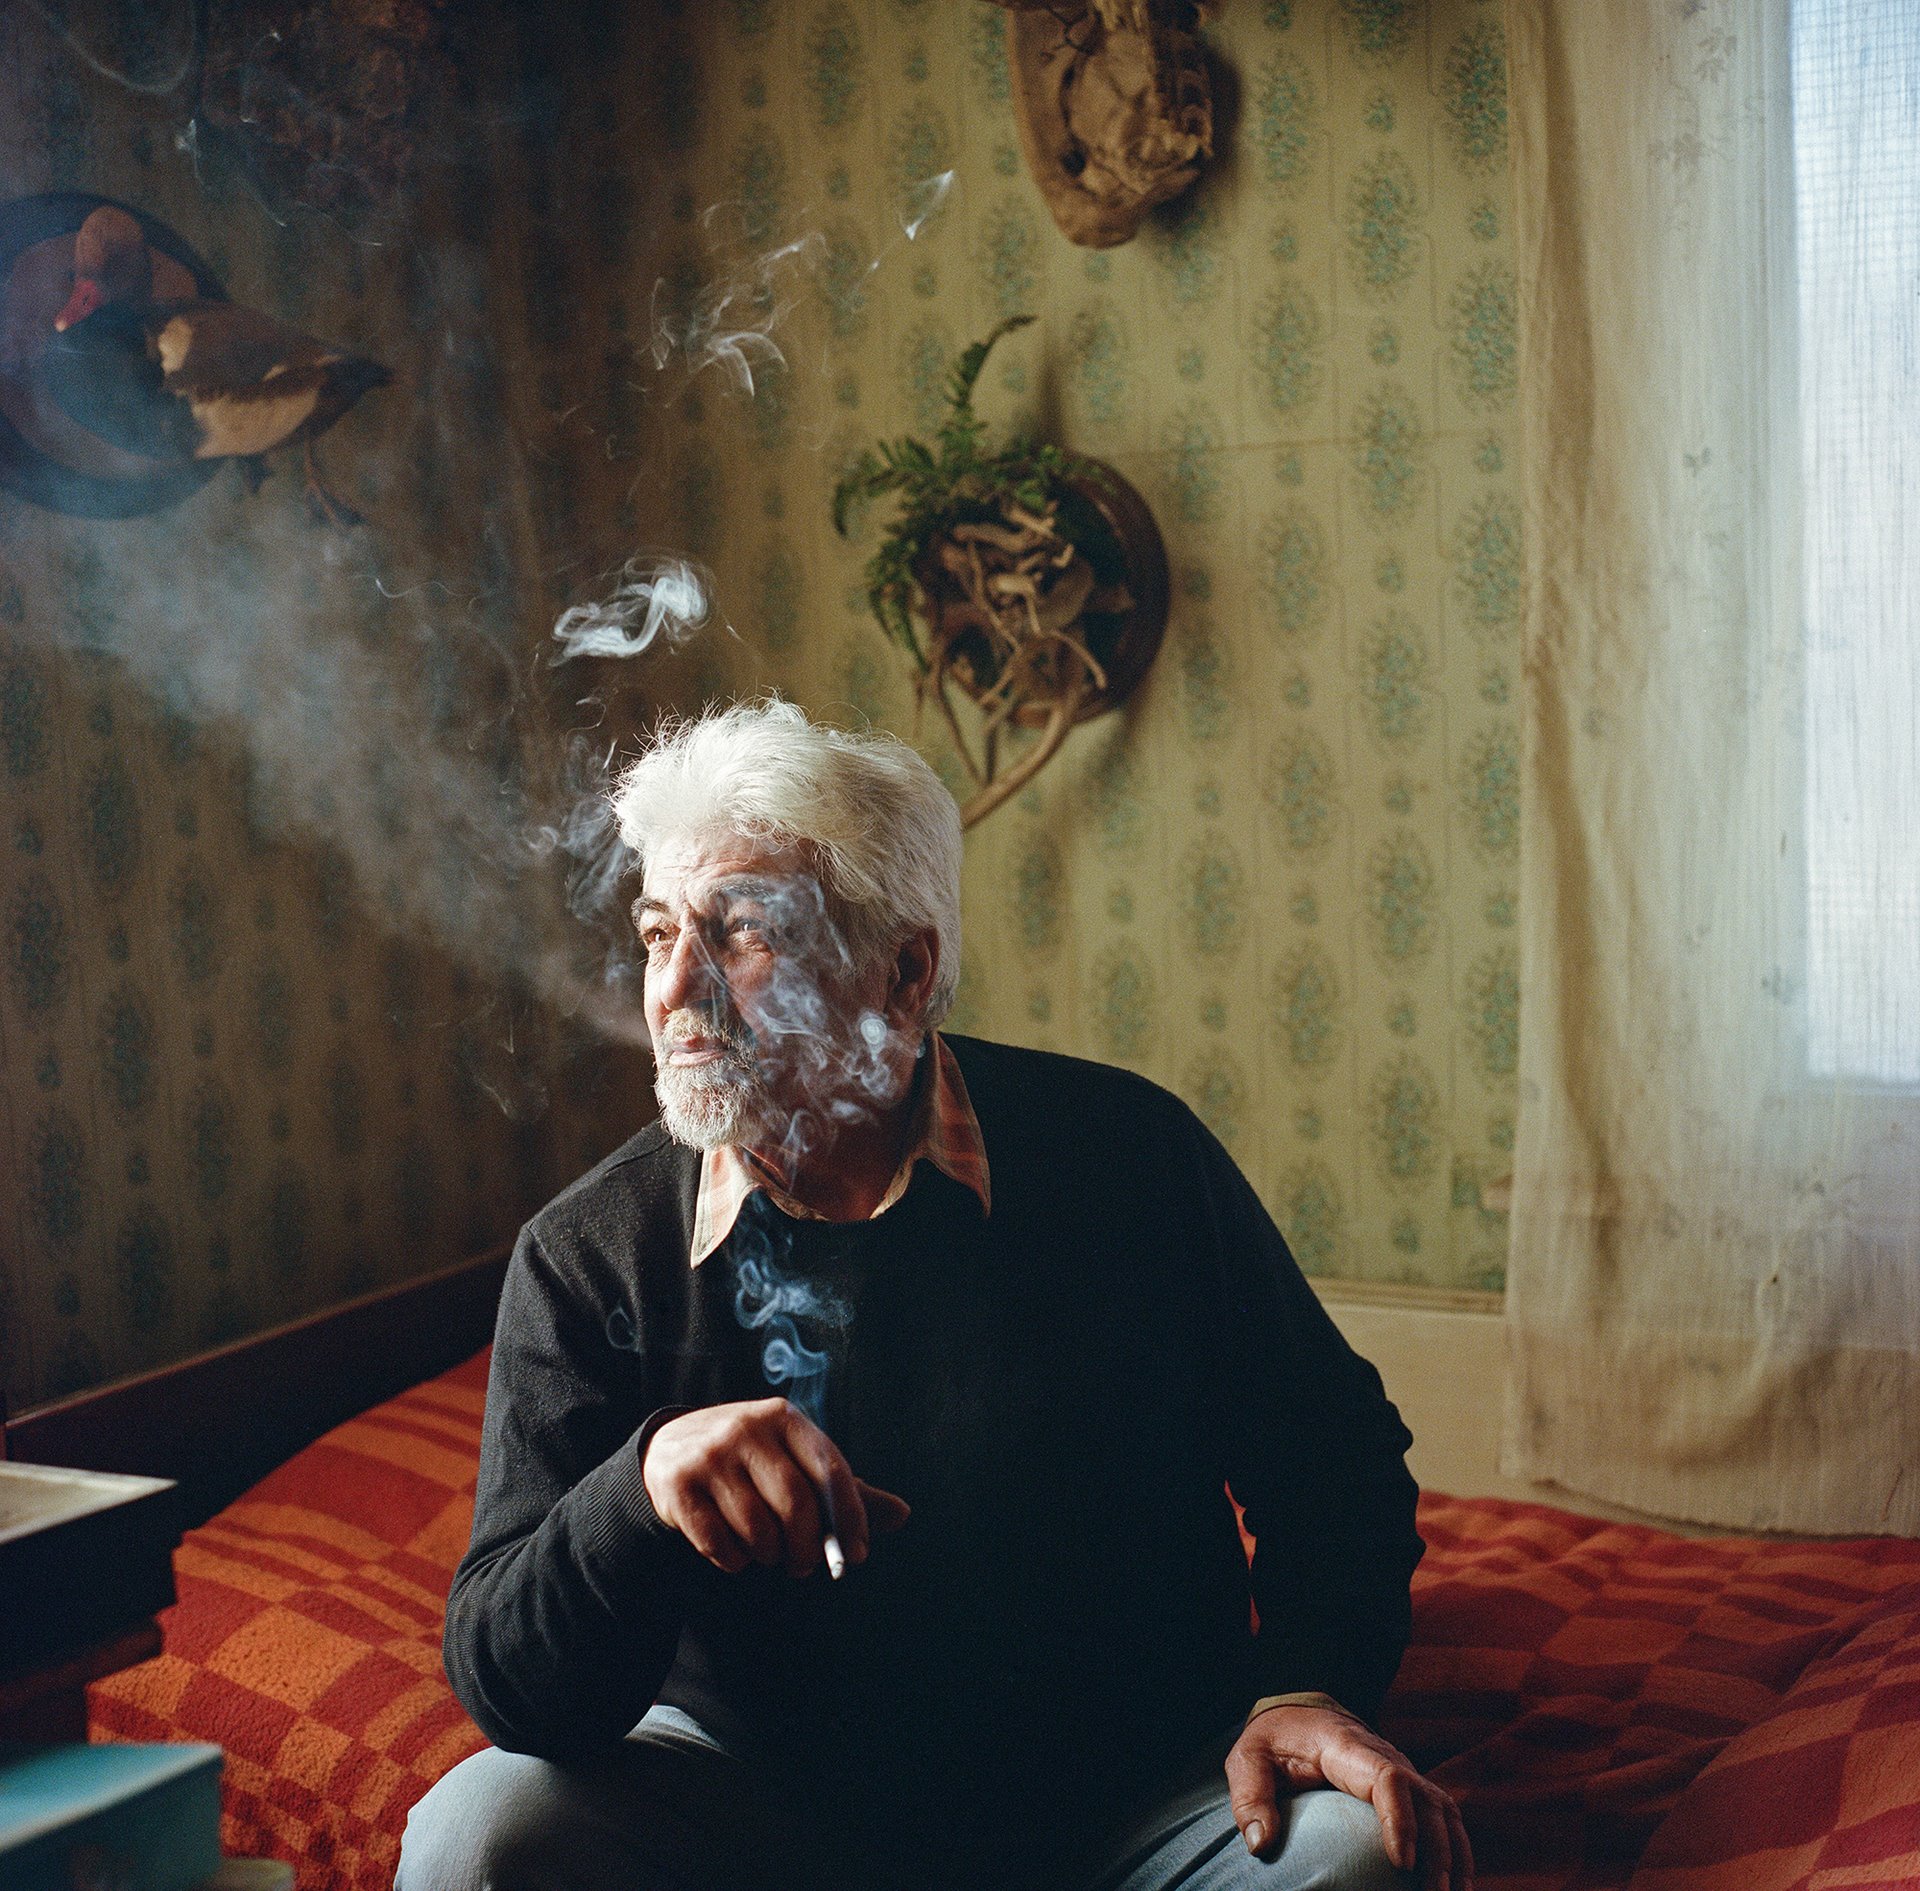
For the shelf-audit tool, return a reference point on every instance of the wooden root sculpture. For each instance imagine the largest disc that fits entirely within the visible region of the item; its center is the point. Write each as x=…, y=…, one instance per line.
x=1028, y=580
x=1114, y=107
x=1008, y=603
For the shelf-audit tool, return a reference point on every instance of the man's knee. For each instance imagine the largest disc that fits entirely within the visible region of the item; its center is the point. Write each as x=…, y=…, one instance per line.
x=1334, y=1843
x=649, y=1814
x=495, y=1823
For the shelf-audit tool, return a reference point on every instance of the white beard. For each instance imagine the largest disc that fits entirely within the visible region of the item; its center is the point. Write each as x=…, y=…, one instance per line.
x=729, y=1100
x=708, y=1111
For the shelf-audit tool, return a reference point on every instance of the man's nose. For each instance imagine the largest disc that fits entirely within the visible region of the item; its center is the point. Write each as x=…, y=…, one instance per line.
x=688, y=979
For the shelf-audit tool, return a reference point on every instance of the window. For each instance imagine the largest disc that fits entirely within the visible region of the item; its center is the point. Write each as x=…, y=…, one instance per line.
x=1856, y=103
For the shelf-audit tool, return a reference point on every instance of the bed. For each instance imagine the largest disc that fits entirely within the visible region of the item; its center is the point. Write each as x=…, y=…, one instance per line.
x=1613, y=1705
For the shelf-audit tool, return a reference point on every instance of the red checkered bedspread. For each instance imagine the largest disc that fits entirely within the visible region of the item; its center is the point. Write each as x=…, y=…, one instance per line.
x=306, y=1640
x=1612, y=1705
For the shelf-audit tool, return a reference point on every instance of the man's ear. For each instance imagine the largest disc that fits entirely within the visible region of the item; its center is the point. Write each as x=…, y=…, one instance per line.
x=916, y=965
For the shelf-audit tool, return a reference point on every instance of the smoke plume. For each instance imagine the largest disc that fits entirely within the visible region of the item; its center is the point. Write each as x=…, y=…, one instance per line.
x=659, y=596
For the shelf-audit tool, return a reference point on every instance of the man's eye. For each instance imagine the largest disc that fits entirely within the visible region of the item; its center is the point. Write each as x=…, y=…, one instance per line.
x=655, y=938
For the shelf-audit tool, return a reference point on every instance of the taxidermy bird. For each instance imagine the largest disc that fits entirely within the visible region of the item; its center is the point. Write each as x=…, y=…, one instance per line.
x=195, y=379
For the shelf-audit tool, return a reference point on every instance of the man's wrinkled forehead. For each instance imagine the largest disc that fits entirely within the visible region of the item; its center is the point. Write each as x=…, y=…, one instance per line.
x=696, y=876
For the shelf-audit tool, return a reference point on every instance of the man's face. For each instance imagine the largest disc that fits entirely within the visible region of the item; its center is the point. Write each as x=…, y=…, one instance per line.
x=751, y=1000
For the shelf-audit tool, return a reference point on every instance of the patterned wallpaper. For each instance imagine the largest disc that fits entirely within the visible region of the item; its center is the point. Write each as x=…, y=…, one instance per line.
x=271, y=1007
x=1282, y=879
x=275, y=1013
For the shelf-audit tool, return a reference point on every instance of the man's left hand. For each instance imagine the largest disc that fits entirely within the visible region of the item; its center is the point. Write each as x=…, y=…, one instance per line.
x=1295, y=1747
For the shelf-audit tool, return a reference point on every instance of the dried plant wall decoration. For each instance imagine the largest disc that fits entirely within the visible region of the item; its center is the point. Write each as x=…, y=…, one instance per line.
x=1025, y=581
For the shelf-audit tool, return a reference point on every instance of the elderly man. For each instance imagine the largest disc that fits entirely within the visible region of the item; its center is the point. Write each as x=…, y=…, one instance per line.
x=853, y=1505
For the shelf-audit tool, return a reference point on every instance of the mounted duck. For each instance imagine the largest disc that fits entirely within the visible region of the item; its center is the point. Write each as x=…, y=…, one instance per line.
x=195, y=379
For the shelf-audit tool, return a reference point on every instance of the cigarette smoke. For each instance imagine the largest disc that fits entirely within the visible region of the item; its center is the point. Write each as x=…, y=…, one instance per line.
x=595, y=864
x=766, y=1300
x=811, y=1063
x=730, y=323
x=659, y=596
x=806, y=1037
x=390, y=723
x=664, y=599
x=923, y=202
x=380, y=688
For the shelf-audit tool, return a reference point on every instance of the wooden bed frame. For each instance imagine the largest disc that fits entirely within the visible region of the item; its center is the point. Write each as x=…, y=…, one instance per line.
x=219, y=1422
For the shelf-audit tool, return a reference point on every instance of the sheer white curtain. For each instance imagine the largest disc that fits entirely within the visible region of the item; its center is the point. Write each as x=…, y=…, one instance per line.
x=1714, y=1291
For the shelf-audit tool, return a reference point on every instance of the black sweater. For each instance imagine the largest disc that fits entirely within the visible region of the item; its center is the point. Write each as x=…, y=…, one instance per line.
x=1060, y=1390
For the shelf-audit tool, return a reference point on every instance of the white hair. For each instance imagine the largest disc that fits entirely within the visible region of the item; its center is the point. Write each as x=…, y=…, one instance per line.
x=878, y=823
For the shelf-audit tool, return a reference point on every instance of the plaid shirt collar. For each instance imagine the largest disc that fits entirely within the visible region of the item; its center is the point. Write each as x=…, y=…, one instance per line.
x=946, y=1133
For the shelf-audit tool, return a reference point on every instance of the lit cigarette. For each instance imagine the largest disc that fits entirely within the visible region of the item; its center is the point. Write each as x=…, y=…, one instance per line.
x=835, y=1555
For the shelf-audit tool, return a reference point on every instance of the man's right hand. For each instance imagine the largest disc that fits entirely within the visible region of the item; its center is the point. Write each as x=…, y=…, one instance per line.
x=758, y=1482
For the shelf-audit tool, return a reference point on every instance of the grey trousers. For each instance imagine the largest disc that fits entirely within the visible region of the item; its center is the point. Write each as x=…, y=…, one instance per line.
x=671, y=1810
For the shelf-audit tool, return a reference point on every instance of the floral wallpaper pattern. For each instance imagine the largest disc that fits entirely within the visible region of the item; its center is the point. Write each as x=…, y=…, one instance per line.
x=1281, y=881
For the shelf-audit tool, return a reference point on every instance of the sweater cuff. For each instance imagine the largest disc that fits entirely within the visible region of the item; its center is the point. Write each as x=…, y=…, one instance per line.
x=1306, y=1697
x=614, y=1516
x=645, y=1516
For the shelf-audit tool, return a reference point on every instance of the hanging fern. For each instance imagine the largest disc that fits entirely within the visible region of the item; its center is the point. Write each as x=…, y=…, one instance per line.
x=955, y=481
